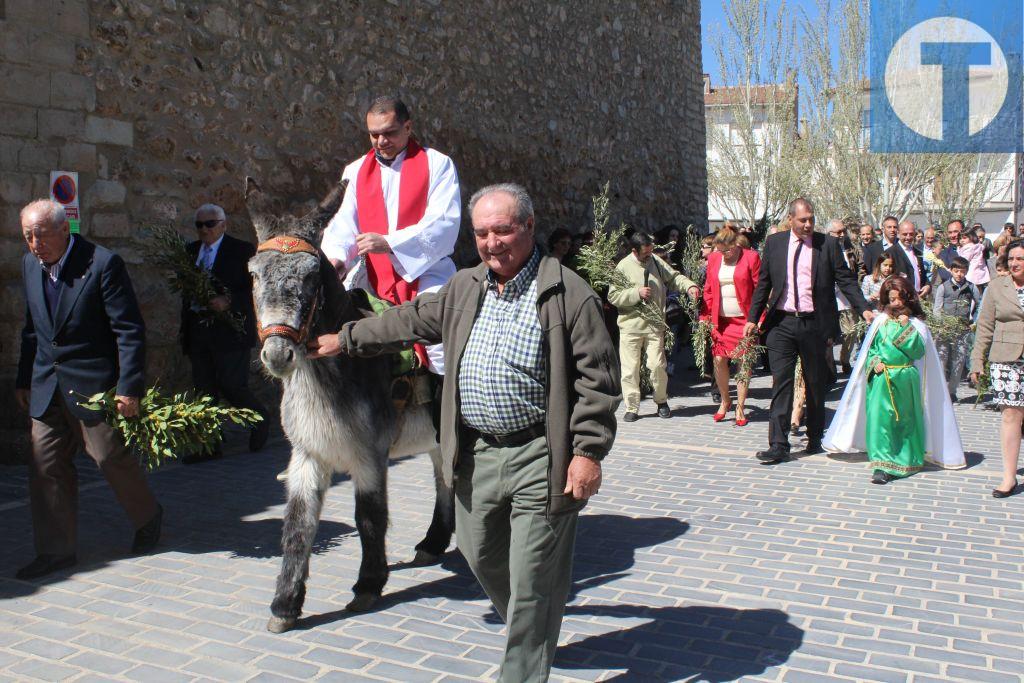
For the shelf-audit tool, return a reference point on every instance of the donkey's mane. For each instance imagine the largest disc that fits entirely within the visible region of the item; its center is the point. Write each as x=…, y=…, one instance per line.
x=306, y=227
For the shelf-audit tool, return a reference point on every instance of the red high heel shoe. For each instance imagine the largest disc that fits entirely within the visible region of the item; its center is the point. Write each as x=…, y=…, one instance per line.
x=718, y=417
x=741, y=422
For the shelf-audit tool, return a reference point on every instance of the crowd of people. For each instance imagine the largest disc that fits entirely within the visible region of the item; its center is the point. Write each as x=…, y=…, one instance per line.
x=527, y=411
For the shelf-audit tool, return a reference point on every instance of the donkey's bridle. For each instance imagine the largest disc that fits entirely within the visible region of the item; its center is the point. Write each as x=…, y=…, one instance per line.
x=286, y=244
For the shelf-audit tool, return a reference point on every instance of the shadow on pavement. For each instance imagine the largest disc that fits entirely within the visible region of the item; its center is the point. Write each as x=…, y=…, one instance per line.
x=606, y=547
x=698, y=643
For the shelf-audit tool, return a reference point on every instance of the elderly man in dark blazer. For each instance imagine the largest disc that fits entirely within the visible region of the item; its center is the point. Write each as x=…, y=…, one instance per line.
x=83, y=335
x=909, y=260
x=796, y=291
x=220, y=354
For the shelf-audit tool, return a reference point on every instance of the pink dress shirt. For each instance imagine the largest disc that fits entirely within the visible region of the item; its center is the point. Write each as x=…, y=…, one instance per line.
x=804, y=282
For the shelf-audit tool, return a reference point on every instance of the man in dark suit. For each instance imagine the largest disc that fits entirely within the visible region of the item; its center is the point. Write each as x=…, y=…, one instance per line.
x=796, y=292
x=875, y=249
x=908, y=259
x=220, y=354
x=83, y=335
x=949, y=252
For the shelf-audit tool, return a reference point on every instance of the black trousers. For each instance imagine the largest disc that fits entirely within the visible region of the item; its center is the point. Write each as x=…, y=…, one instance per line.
x=790, y=339
x=224, y=374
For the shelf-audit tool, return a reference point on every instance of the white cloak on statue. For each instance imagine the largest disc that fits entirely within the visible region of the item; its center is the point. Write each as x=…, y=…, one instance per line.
x=942, y=445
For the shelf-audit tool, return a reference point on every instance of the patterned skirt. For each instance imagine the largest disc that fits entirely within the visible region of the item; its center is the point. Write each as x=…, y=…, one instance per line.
x=1007, y=383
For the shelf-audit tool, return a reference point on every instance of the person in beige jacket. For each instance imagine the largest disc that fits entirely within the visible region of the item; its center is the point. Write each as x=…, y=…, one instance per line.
x=999, y=341
x=651, y=279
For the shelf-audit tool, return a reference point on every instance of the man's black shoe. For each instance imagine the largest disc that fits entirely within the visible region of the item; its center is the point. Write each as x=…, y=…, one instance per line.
x=202, y=456
x=664, y=410
x=813, y=447
x=45, y=564
x=259, y=434
x=773, y=455
x=148, y=536
x=630, y=416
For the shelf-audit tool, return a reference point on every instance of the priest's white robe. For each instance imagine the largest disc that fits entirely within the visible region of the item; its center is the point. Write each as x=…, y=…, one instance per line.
x=419, y=251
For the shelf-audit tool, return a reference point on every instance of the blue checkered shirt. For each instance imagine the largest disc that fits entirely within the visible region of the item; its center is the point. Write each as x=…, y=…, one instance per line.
x=502, y=376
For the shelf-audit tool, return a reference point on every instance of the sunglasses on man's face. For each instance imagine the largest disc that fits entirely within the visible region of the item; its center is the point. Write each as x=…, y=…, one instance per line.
x=207, y=224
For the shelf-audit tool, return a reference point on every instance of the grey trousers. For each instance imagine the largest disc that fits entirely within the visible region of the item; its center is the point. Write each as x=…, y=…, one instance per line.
x=522, y=558
x=53, y=480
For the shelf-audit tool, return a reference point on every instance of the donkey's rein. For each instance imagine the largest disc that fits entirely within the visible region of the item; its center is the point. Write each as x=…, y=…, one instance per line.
x=286, y=244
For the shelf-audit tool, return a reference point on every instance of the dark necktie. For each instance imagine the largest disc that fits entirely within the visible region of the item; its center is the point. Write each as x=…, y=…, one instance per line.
x=51, y=288
x=796, y=263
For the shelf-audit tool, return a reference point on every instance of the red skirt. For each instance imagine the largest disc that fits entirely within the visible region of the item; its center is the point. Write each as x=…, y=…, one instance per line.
x=727, y=335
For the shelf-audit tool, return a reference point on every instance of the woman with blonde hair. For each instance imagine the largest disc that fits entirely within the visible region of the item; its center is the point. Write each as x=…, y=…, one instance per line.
x=732, y=274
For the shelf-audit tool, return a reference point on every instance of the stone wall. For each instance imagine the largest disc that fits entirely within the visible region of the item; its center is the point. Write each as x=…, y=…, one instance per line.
x=162, y=105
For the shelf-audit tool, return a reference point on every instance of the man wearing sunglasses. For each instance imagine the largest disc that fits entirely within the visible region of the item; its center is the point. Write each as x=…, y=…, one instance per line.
x=219, y=351
x=396, y=229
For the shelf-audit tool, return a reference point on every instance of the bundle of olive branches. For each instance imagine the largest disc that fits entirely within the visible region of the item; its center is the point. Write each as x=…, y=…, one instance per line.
x=983, y=384
x=747, y=353
x=946, y=328
x=166, y=250
x=597, y=261
x=169, y=425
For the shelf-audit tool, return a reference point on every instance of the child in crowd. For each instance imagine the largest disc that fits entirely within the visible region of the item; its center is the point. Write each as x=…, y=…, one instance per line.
x=959, y=298
x=974, y=252
x=872, y=284
x=889, y=408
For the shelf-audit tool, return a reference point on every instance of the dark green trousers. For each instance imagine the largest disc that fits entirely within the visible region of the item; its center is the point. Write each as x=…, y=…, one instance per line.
x=522, y=558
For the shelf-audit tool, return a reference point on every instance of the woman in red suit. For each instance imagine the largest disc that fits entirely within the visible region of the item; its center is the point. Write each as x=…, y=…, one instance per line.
x=728, y=287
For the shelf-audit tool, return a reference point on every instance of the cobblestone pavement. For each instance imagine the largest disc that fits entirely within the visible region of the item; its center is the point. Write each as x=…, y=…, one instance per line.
x=694, y=563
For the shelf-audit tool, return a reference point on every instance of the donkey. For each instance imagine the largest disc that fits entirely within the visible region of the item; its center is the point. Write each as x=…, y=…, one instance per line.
x=337, y=412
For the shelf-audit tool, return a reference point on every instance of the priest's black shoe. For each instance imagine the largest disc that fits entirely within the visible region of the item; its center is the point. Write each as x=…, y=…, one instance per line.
x=630, y=416
x=148, y=536
x=664, y=410
x=880, y=477
x=259, y=434
x=45, y=564
x=773, y=455
x=813, y=447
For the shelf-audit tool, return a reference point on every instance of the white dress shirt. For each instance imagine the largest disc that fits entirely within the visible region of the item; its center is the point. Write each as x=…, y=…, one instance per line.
x=912, y=257
x=208, y=254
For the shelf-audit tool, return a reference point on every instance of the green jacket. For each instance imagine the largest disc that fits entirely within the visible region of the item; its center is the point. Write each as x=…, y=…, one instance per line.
x=582, y=365
x=657, y=275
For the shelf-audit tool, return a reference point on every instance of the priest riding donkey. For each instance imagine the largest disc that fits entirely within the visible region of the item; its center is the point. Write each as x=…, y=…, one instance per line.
x=393, y=234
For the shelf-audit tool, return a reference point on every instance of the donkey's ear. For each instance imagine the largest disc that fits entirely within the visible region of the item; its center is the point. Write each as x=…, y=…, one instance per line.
x=329, y=205
x=259, y=205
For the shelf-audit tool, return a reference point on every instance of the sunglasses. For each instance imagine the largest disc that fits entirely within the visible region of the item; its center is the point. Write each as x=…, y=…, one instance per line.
x=207, y=224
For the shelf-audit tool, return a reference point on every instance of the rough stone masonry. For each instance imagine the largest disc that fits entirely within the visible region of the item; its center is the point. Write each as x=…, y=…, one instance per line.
x=161, y=105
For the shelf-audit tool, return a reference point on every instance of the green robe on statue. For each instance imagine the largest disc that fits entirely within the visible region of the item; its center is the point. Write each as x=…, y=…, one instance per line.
x=895, y=414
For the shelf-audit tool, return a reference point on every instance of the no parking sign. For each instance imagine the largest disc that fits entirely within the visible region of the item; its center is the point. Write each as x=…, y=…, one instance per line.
x=64, y=190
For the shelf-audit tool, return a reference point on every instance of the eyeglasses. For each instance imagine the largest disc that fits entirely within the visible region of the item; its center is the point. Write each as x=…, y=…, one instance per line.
x=208, y=224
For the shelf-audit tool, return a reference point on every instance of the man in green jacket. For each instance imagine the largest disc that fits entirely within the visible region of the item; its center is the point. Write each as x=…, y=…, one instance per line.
x=651, y=279
x=527, y=414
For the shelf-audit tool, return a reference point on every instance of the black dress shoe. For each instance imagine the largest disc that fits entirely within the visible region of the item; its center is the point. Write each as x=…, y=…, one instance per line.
x=148, y=536
x=664, y=410
x=996, y=493
x=773, y=455
x=880, y=477
x=259, y=434
x=630, y=416
x=45, y=564
x=813, y=447
x=202, y=456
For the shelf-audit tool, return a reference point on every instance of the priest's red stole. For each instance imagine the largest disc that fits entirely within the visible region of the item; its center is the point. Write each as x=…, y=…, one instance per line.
x=413, y=184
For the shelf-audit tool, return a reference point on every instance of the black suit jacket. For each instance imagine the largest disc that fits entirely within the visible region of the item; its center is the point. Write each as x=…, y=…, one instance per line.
x=231, y=272
x=95, y=339
x=828, y=271
x=870, y=255
x=903, y=266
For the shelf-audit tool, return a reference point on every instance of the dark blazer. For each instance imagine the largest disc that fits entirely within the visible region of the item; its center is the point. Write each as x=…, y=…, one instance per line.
x=870, y=254
x=903, y=266
x=828, y=271
x=95, y=339
x=231, y=272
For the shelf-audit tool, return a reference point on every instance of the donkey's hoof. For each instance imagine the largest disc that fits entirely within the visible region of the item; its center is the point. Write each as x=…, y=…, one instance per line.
x=280, y=624
x=363, y=602
x=425, y=559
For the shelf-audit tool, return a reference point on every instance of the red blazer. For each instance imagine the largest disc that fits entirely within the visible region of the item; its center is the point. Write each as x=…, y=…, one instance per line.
x=748, y=267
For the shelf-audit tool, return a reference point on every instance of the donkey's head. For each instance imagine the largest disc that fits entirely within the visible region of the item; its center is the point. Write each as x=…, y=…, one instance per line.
x=291, y=282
